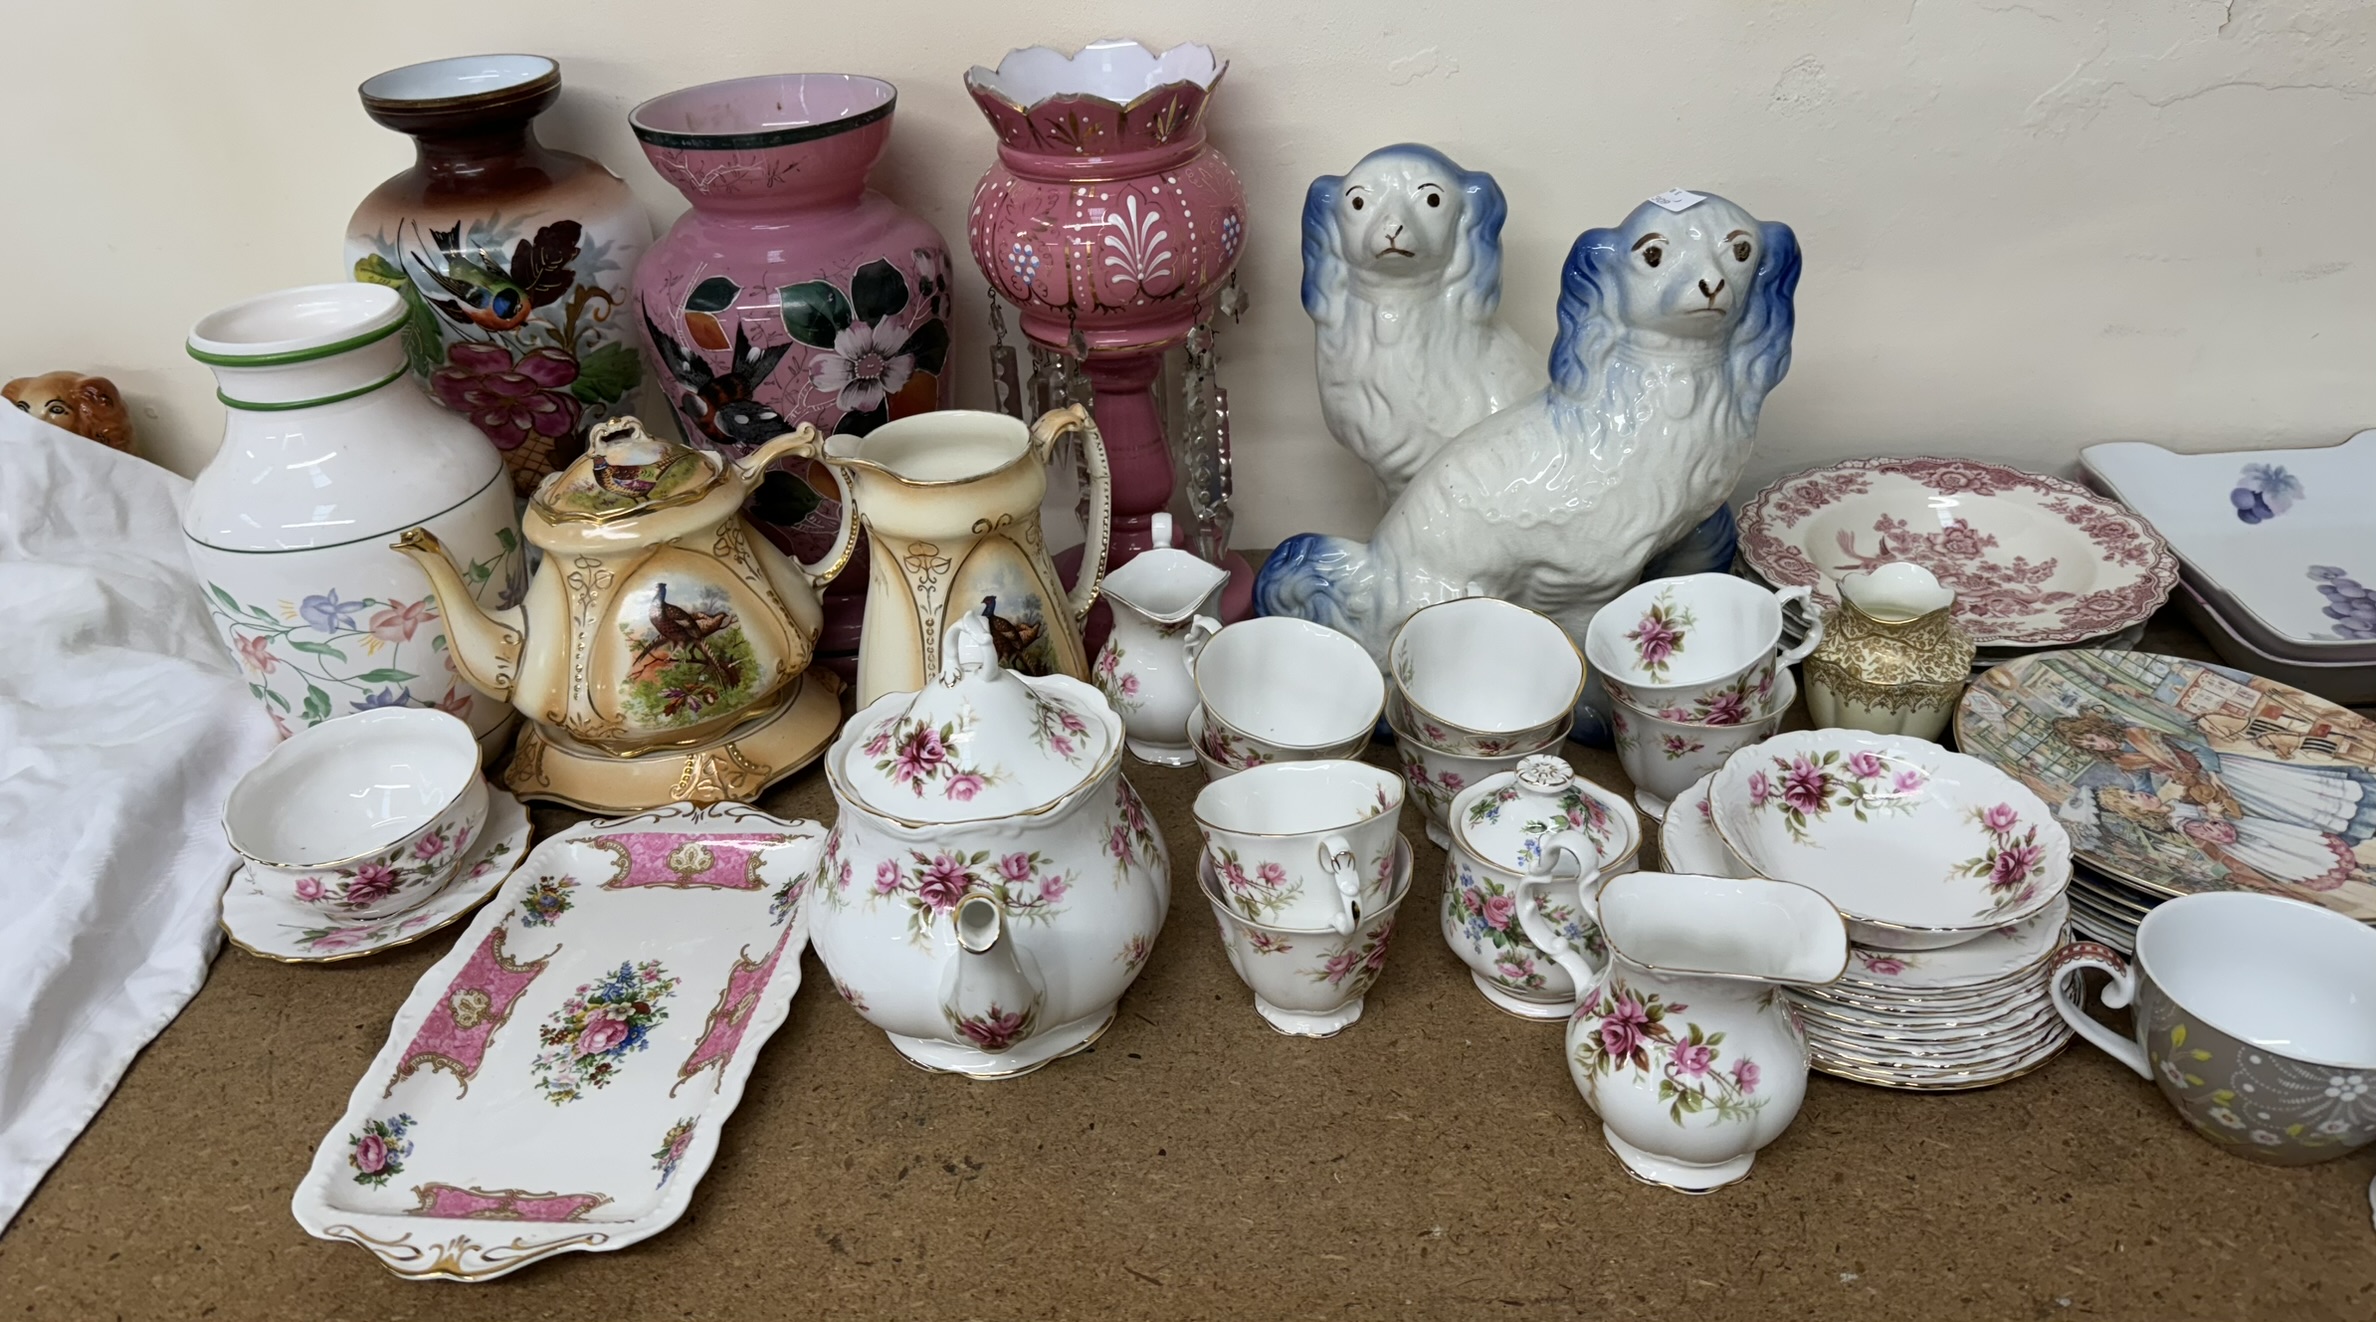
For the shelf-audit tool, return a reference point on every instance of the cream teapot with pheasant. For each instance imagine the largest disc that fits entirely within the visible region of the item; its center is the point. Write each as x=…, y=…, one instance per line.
x=658, y=621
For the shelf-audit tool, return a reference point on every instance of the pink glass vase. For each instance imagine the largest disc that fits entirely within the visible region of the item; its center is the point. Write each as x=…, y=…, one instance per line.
x=1109, y=217
x=791, y=292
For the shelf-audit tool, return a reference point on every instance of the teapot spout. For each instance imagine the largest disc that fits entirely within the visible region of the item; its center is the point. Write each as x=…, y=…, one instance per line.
x=486, y=647
x=992, y=991
x=801, y=442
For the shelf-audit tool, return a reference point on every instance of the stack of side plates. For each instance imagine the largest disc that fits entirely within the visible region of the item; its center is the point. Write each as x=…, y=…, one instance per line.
x=2108, y=909
x=1967, y=1016
x=1964, y=1017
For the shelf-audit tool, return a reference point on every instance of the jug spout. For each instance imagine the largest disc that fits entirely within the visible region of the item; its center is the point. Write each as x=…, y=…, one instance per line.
x=992, y=991
x=1166, y=585
x=486, y=646
x=1748, y=929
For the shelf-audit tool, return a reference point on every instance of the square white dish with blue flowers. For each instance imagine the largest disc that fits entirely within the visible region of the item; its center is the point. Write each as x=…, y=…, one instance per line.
x=558, y=1081
x=2281, y=539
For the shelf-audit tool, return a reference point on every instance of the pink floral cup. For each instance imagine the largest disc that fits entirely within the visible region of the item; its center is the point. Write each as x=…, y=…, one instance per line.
x=1663, y=756
x=1282, y=689
x=1303, y=845
x=365, y=816
x=1480, y=677
x=1698, y=649
x=1437, y=777
x=1309, y=984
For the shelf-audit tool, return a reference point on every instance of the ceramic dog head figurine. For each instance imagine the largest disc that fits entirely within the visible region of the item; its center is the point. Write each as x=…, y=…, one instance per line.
x=88, y=406
x=1402, y=276
x=1709, y=279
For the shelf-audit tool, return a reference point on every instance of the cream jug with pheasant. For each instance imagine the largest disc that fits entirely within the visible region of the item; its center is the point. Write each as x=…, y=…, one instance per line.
x=662, y=652
x=950, y=502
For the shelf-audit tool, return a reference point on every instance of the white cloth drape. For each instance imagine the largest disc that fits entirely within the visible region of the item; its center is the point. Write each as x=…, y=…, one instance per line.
x=123, y=724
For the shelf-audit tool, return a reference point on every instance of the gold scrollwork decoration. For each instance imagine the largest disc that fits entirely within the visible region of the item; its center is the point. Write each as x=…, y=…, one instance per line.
x=460, y=1258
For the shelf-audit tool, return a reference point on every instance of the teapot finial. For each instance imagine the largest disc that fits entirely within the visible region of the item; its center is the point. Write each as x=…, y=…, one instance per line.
x=625, y=471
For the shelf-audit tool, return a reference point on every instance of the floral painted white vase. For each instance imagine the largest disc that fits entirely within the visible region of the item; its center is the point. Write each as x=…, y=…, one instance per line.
x=326, y=456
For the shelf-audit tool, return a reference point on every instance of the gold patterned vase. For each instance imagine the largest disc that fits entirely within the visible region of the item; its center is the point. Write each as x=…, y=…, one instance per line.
x=1892, y=660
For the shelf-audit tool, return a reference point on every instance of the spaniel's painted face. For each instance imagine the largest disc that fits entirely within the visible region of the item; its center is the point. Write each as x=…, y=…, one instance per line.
x=1688, y=274
x=1399, y=216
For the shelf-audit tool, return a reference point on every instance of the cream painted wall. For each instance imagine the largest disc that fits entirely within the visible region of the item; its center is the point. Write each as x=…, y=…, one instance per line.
x=2028, y=226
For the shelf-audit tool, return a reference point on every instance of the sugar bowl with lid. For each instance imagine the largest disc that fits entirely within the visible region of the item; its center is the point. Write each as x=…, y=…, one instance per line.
x=992, y=884
x=1503, y=827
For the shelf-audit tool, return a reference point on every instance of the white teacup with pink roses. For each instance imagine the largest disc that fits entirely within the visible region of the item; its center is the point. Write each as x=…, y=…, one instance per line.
x=364, y=816
x=1700, y=648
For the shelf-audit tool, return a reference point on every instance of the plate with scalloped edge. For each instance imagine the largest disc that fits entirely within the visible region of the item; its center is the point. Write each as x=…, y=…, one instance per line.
x=2033, y=560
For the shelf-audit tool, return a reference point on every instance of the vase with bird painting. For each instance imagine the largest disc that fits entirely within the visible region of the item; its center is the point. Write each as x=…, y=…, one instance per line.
x=950, y=503
x=661, y=652
x=513, y=258
x=791, y=293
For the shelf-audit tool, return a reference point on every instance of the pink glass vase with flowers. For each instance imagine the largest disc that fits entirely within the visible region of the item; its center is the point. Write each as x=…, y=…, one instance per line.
x=791, y=292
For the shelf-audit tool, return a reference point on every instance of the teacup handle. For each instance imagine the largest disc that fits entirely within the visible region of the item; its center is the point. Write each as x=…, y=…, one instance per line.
x=2061, y=976
x=1336, y=858
x=1532, y=921
x=1804, y=596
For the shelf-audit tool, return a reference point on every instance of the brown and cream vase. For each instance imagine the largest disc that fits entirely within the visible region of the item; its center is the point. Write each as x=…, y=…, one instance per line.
x=1892, y=659
x=514, y=259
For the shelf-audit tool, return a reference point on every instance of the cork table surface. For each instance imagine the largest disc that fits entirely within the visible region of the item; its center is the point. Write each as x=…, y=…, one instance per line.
x=1434, y=1160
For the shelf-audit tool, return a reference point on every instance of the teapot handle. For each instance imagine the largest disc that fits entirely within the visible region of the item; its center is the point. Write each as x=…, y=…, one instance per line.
x=804, y=442
x=1099, y=531
x=1537, y=926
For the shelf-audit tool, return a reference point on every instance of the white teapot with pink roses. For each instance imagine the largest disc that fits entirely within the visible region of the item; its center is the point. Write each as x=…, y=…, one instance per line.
x=992, y=884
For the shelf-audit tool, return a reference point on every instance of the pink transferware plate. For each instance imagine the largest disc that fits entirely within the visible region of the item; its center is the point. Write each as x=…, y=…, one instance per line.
x=558, y=1081
x=2033, y=560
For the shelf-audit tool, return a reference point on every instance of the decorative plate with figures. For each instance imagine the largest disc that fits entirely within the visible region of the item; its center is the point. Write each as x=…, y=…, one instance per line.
x=2180, y=777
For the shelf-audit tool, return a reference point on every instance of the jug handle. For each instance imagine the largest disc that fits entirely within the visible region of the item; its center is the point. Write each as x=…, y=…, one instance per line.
x=1099, y=531
x=1531, y=919
x=1803, y=595
x=1200, y=631
x=806, y=443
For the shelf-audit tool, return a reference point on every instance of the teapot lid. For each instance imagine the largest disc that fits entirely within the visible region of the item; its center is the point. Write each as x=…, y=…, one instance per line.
x=625, y=471
x=980, y=741
x=1504, y=819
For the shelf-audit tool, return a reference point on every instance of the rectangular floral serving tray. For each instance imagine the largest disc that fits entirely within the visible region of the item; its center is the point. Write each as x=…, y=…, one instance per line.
x=558, y=1081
